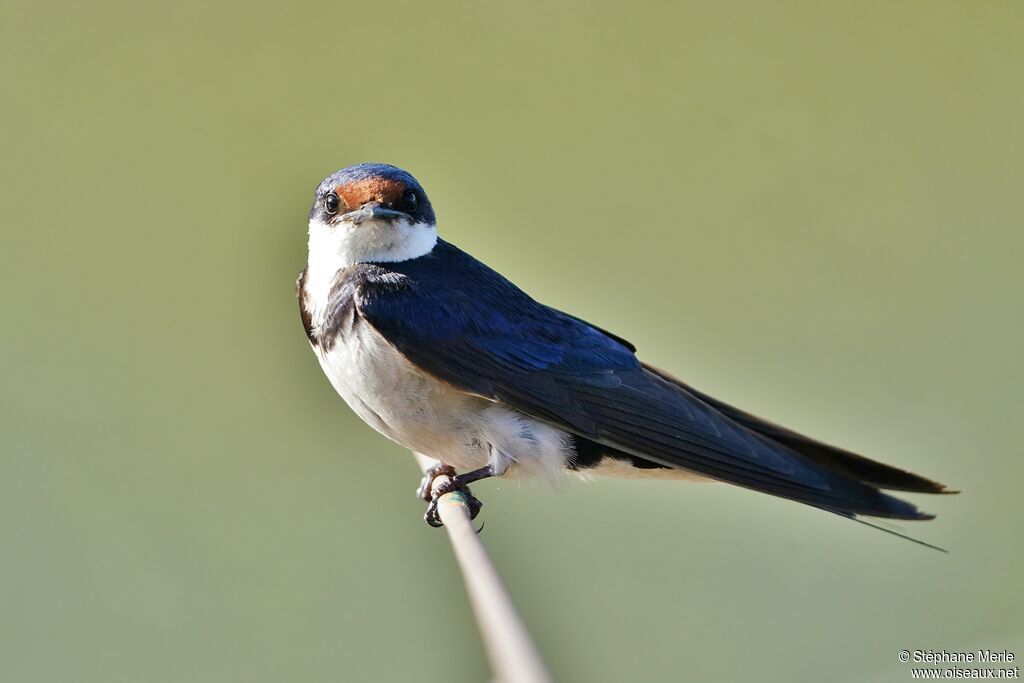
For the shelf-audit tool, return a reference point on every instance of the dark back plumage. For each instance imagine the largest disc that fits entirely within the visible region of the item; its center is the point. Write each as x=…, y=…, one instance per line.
x=466, y=325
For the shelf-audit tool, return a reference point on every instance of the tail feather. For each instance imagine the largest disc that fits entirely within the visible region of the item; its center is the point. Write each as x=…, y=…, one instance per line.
x=838, y=460
x=886, y=529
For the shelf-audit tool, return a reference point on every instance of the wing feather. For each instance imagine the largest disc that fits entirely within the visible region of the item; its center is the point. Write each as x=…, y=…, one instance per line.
x=466, y=325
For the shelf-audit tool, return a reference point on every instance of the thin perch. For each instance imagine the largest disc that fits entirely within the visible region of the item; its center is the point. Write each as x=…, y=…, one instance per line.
x=510, y=649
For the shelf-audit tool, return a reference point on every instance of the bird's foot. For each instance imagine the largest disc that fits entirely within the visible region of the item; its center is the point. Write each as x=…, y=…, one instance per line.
x=438, y=470
x=463, y=497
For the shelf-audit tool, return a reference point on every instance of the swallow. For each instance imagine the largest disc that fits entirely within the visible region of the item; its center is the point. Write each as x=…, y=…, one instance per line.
x=443, y=355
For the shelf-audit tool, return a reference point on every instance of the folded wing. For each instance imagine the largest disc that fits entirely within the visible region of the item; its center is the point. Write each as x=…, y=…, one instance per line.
x=476, y=331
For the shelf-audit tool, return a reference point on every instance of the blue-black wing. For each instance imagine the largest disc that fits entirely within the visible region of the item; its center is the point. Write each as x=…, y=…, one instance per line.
x=468, y=326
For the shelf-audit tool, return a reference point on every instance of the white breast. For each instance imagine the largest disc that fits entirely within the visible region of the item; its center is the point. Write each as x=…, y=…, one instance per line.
x=390, y=393
x=427, y=415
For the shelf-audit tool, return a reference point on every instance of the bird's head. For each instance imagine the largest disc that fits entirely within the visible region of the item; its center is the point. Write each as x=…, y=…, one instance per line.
x=370, y=213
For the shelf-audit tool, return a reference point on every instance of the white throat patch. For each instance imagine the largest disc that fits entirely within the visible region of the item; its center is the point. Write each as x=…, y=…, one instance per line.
x=333, y=247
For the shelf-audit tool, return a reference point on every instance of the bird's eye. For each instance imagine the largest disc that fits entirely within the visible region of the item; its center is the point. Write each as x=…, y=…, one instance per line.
x=410, y=200
x=332, y=202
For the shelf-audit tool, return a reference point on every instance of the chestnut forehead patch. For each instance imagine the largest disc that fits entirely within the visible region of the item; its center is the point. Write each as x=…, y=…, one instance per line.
x=376, y=189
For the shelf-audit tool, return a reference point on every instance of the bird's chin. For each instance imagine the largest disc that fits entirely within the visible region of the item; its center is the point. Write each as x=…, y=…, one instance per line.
x=380, y=240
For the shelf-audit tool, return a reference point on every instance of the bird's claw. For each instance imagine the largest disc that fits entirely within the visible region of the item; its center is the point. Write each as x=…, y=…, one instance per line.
x=433, y=517
x=438, y=470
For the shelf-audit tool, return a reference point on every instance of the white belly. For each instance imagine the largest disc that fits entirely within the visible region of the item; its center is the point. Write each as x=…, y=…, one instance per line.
x=427, y=415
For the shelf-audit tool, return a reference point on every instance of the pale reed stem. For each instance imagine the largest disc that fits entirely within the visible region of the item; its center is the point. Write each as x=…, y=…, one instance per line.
x=513, y=656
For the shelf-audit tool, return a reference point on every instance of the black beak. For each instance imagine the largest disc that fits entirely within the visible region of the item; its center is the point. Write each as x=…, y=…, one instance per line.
x=373, y=211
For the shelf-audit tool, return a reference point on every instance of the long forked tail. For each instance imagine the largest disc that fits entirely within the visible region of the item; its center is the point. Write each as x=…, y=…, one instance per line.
x=857, y=467
x=838, y=460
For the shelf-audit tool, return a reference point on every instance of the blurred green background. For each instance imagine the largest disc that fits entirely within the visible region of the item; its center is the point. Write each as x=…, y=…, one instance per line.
x=812, y=210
